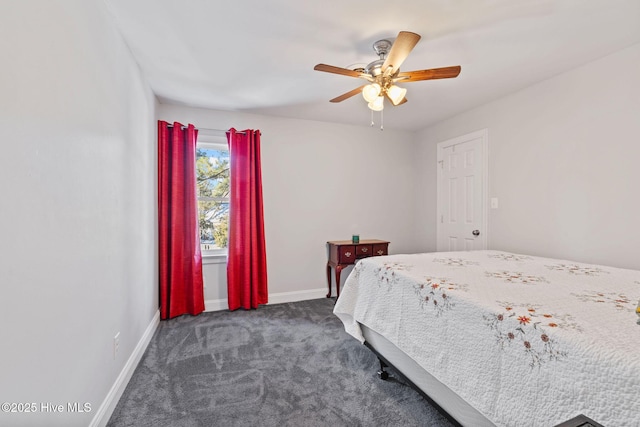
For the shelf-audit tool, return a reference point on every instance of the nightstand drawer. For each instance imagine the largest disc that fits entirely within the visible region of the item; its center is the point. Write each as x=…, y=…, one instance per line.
x=380, y=249
x=364, y=251
x=343, y=253
x=346, y=254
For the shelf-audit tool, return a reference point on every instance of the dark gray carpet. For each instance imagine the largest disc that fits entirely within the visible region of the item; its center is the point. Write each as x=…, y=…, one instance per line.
x=280, y=365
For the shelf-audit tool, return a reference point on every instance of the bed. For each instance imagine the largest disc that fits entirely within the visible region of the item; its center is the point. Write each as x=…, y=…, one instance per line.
x=503, y=339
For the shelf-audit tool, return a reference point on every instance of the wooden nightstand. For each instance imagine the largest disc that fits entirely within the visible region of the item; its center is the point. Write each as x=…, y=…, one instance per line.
x=343, y=253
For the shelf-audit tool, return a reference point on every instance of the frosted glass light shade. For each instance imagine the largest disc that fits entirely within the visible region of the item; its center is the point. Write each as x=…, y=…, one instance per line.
x=370, y=92
x=396, y=94
x=377, y=104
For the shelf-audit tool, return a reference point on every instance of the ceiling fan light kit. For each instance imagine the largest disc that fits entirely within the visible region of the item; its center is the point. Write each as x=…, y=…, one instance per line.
x=383, y=73
x=377, y=104
x=396, y=94
x=371, y=91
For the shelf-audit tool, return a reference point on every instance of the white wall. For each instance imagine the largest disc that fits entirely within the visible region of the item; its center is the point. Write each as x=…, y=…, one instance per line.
x=321, y=182
x=78, y=219
x=564, y=160
x=78, y=238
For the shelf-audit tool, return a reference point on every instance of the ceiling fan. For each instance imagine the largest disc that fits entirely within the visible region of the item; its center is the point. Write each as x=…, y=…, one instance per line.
x=383, y=73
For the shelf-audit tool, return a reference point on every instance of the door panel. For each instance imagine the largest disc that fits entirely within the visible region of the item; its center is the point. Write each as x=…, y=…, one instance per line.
x=462, y=193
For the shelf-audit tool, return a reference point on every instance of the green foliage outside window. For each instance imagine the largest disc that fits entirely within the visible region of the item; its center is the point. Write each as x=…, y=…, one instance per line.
x=212, y=177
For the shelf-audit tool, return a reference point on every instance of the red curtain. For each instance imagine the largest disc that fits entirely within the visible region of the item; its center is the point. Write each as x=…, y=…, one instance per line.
x=247, y=262
x=181, y=286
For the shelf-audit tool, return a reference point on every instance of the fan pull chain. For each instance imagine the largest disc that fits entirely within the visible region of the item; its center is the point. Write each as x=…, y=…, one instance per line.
x=381, y=119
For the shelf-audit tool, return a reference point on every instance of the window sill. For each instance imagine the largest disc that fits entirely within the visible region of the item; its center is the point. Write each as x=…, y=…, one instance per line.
x=214, y=259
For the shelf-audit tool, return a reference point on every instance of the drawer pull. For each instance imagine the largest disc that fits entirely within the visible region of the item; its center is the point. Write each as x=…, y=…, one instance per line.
x=347, y=254
x=380, y=252
x=364, y=250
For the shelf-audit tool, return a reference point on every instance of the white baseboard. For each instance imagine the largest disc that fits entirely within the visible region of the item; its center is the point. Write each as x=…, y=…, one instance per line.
x=277, y=298
x=101, y=418
x=216, y=305
x=281, y=297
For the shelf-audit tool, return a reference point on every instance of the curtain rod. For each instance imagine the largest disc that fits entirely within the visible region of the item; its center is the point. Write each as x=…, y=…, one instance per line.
x=210, y=130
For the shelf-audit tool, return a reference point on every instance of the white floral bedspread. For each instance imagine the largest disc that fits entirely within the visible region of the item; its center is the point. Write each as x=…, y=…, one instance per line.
x=525, y=340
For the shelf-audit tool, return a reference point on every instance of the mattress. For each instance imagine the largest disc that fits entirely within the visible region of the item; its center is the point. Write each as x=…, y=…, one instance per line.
x=523, y=340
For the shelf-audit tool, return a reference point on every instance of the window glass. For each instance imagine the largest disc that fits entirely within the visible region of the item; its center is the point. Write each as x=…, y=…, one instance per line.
x=212, y=177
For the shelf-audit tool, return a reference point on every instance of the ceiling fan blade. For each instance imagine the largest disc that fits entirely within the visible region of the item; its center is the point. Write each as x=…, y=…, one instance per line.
x=337, y=70
x=347, y=95
x=434, y=73
x=401, y=48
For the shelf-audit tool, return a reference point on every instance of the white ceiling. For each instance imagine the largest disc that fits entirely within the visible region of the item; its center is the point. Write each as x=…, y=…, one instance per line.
x=258, y=56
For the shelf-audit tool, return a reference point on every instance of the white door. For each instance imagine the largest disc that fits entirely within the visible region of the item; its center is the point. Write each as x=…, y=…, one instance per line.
x=462, y=187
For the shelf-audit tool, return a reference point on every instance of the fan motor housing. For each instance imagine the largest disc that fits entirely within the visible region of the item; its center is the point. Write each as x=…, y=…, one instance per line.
x=375, y=68
x=382, y=48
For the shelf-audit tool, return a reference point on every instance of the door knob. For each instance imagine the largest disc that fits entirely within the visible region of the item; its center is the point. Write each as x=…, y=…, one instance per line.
x=476, y=232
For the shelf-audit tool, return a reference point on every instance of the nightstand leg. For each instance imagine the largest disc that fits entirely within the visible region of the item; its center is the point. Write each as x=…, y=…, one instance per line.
x=329, y=279
x=338, y=270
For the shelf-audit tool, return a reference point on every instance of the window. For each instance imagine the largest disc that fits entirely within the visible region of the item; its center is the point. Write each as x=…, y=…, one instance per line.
x=212, y=175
